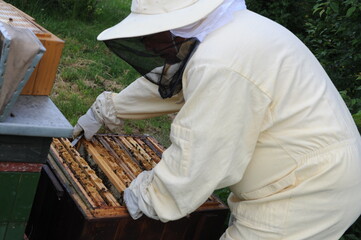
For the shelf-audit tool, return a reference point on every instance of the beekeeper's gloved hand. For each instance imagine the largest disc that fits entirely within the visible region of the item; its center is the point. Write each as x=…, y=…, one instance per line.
x=88, y=124
x=136, y=196
x=102, y=112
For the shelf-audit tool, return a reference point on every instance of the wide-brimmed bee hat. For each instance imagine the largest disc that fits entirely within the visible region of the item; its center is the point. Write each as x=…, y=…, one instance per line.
x=153, y=16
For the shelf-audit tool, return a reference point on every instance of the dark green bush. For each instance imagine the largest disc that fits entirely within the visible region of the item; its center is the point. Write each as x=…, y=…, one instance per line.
x=78, y=9
x=291, y=14
x=332, y=31
x=335, y=38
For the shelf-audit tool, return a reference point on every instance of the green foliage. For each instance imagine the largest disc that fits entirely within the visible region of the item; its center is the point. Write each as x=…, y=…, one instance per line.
x=354, y=232
x=291, y=14
x=335, y=38
x=353, y=104
x=223, y=194
x=357, y=118
x=332, y=31
x=80, y=9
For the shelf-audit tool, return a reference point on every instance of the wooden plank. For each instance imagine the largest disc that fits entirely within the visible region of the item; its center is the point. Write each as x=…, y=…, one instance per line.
x=76, y=169
x=98, y=183
x=69, y=174
x=83, y=179
x=73, y=168
x=113, y=156
x=151, y=153
x=155, y=144
x=119, y=185
x=123, y=174
x=110, y=212
x=135, y=153
x=124, y=158
x=142, y=152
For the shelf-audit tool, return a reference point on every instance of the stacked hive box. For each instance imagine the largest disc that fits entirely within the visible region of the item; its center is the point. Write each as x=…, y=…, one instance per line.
x=42, y=79
x=92, y=181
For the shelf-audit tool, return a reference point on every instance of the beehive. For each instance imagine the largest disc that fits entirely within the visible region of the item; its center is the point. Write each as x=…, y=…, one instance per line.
x=95, y=176
x=42, y=79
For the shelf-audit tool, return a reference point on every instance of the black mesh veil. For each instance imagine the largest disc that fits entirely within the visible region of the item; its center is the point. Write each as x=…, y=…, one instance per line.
x=160, y=57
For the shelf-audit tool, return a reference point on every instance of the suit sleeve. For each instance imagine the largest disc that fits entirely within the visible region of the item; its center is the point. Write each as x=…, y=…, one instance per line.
x=140, y=100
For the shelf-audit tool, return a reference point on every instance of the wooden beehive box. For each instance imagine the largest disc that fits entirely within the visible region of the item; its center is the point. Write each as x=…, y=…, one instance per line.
x=91, y=207
x=42, y=79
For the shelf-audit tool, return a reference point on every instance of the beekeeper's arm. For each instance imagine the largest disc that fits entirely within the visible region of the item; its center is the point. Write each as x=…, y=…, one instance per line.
x=213, y=139
x=139, y=100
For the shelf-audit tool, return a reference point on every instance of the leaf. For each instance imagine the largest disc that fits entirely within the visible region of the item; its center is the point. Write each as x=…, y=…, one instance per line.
x=350, y=11
x=352, y=237
x=318, y=7
x=335, y=7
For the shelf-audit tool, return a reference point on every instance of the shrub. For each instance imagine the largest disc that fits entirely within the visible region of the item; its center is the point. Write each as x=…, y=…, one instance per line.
x=335, y=38
x=331, y=29
x=291, y=14
x=78, y=9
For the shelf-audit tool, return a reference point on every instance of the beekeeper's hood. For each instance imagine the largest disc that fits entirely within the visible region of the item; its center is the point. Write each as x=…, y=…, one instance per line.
x=158, y=37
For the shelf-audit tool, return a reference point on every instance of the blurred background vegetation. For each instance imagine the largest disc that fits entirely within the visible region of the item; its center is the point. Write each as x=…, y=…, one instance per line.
x=330, y=28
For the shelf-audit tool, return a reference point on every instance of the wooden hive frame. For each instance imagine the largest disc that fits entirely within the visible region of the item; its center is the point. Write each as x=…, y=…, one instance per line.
x=108, y=165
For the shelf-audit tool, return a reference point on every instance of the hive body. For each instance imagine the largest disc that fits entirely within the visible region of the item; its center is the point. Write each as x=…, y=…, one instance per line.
x=93, y=177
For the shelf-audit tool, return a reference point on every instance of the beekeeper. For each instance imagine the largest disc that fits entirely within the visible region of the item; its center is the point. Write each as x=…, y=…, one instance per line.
x=256, y=112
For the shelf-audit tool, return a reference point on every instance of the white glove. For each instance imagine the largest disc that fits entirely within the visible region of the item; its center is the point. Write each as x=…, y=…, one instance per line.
x=87, y=124
x=136, y=196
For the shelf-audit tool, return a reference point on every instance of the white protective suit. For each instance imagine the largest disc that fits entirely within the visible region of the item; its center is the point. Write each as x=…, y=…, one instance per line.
x=261, y=116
